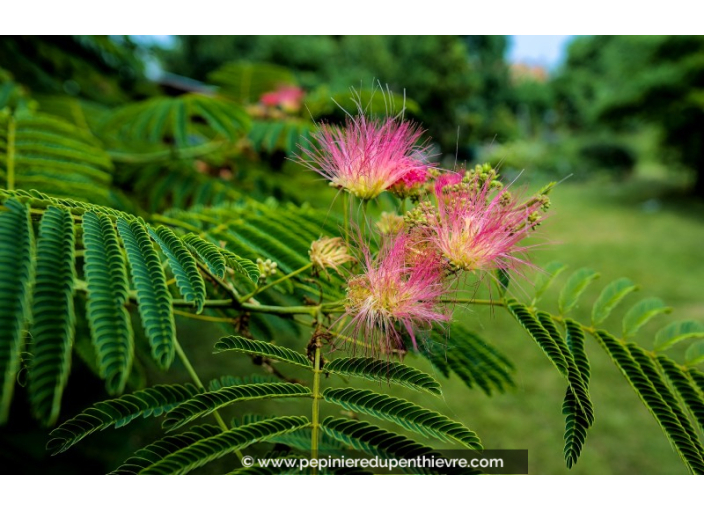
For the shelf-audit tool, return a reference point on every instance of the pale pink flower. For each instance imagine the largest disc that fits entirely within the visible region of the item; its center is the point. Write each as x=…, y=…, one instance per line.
x=366, y=156
x=398, y=290
x=475, y=231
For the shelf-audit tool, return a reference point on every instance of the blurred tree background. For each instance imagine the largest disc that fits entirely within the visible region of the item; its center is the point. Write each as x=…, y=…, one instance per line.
x=622, y=117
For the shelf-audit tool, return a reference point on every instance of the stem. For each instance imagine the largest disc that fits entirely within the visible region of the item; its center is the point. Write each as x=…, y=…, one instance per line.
x=346, y=211
x=11, y=154
x=283, y=278
x=206, y=318
x=473, y=301
x=315, y=419
x=365, y=204
x=191, y=371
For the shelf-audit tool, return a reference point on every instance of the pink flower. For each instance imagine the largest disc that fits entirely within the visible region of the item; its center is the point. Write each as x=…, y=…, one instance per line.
x=366, y=156
x=287, y=97
x=475, y=231
x=399, y=288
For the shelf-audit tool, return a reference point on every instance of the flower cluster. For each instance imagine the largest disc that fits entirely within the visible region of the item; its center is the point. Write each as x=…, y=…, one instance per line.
x=463, y=223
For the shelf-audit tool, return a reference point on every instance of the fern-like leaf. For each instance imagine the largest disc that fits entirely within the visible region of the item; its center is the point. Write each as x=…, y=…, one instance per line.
x=641, y=313
x=373, y=440
x=205, y=403
x=539, y=334
x=691, y=395
x=384, y=371
x=159, y=449
x=210, y=254
x=53, y=322
x=546, y=277
x=106, y=277
x=16, y=247
x=119, y=412
x=190, y=282
x=152, y=294
x=676, y=332
x=653, y=400
x=573, y=289
x=240, y=265
x=206, y=450
x=610, y=297
x=407, y=414
x=264, y=349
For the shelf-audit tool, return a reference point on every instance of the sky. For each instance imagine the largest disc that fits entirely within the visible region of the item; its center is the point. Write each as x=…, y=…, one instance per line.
x=545, y=50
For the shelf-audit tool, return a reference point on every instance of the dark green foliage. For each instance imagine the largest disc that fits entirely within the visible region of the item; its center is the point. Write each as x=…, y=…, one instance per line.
x=281, y=135
x=152, y=294
x=373, y=440
x=539, y=334
x=179, y=120
x=653, y=400
x=159, y=449
x=384, y=372
x=190, y=282
x=407, y=414
x=108, y=295
x=210, y=448
x=240, y=265
x=205, y=403
x=688, y=391
x=119, y=412
x=264, y=349
x=16, y=253
x=245, y=82
x=473, y=360
x=54, y=156
x=53, y=314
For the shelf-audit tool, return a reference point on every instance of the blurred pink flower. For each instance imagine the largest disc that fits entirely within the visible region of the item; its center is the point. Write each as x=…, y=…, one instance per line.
x=399, y=288
x=366, y=156
x=288, y=97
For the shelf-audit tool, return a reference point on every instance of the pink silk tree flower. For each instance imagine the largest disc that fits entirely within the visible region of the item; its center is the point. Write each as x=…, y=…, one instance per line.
x=288, y=97
x=366, y=156
x=475, y=231
x=397, y=289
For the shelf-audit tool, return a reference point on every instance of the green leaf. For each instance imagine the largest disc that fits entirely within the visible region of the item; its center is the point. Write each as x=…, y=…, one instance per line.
x=119, y=412
x=407, y=414
x=206, y=450
x=610, y=297
x=686, y=388
x=210, y=254
x=575, y=286
x=384, y=371
x=539, y=334
x=677, y=332
x=503, y=279
x=108, y=295
x=205, y=403
x=641, y=313
x=546, y=277
x=695, y=354
x=373, y=440
x=259, y=348
x=471, y=358
x=54, y=318
x=152, y=294
x=145, y=457
x=190, y=282
x=243, y=266
x=653, y=399
x=16, y=253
